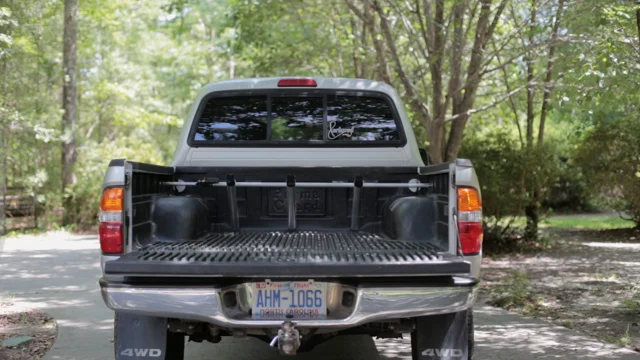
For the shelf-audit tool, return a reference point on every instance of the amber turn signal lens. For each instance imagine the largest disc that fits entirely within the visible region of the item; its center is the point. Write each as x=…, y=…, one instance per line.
x=469, y=199
x=112, y=199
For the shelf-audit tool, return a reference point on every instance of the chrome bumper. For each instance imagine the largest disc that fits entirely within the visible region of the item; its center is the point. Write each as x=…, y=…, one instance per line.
x=372, y=304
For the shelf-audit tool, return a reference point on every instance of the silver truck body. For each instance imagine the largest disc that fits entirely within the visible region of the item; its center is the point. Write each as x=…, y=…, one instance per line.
x=373, y=302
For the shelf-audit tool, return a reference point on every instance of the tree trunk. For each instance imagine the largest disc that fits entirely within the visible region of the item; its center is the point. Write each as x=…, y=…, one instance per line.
x=3, y=178
x=531, y=209
x=69, y=96
x=548, y=85
x=457, y=49
x=638, y=23
x=531, y=229
x=484, y=31
x=4, y=132
x=530, y=85
x=436, y=142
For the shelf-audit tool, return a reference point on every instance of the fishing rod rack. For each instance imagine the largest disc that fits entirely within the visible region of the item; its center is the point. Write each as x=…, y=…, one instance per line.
x=291, y=184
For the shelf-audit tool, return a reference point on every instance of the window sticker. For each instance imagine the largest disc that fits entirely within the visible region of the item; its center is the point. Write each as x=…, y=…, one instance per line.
x=336, y=132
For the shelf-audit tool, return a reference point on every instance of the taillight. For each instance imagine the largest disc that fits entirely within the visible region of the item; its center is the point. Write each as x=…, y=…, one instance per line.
x=110, y=229
x=297, y=83
x=469, y=220
x=111, y=237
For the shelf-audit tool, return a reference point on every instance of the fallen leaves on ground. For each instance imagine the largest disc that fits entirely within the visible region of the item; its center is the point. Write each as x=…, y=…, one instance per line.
x=15, y=322
x=588, y=280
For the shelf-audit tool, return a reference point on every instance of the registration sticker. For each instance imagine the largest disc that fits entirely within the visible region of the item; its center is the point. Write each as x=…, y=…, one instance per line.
x=288, y=299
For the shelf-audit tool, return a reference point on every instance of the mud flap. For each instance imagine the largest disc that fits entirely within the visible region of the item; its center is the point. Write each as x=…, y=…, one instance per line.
x=441, y=337
x=140, y=337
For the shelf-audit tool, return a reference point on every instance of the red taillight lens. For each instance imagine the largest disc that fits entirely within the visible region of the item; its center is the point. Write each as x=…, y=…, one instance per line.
x=470, y=237
x=297, y=83
x=469, y=220
x=111, y=237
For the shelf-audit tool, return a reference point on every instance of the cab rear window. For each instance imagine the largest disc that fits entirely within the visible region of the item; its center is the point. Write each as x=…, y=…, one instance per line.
x=294, y=118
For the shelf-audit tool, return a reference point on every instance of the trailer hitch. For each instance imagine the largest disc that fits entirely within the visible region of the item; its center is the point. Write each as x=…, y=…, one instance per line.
x=288, y=339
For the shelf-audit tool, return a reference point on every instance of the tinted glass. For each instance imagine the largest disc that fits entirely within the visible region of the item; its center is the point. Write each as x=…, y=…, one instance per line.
x=360, y=118
x=349, y=118
x=233, y=118
x=296, y=118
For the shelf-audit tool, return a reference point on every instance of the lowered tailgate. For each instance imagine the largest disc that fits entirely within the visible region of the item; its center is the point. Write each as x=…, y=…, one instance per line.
x=288, y=254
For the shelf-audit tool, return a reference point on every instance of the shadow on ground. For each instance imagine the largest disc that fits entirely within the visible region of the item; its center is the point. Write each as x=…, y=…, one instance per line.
x=59, y=275
x=586, y=281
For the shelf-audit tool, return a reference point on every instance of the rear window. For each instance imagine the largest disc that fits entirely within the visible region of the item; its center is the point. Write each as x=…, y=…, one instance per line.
x=296, y=118
x=234, y=119
x=320, y=119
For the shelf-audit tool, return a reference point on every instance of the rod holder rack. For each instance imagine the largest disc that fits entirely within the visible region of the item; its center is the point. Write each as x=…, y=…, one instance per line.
x=355, y=206
x=291, y=202
x=291, y=184
x=283, y=184
x=233, y=202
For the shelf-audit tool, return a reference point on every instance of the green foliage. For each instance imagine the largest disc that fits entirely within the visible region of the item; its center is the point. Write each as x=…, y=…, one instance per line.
x=570, y=194
x=587, y=222
x=498, y=162
x=610, y=158
x=282, y=37
x=139, y=70
x=141, y=63
x=508, y=173
x=633, y=303
x=515, y=293
x=624, y=340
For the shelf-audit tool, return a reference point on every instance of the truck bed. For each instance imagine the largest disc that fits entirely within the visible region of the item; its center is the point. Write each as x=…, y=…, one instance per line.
x=288, y=254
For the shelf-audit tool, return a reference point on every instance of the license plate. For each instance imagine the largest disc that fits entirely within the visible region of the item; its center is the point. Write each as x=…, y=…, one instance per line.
x=310, y=202
x=288, y=300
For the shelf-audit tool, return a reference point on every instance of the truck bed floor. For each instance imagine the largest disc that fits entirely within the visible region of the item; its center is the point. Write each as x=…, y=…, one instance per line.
x=288, y=254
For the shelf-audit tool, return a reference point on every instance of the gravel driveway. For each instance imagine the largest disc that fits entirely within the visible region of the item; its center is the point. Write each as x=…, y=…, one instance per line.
x=58, y=273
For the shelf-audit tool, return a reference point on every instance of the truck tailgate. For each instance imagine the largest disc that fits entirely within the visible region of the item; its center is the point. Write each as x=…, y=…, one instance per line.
x=288, y=254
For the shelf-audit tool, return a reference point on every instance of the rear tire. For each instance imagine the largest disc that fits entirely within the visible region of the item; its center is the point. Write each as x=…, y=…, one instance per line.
x=472, y=338
x=174, y=348
x=443, y=337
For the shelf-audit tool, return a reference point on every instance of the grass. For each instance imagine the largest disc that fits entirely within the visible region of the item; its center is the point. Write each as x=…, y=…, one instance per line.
x=587, y=222
x=515, y=293
x=633, y=303
x=624, y=340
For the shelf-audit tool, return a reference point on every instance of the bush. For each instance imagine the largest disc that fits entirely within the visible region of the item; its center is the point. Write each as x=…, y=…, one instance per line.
x=570, y=193
x=512, y=180
x=610, y=158
x=81, y=200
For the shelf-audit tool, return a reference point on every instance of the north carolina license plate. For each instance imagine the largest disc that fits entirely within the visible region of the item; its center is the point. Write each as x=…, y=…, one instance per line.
x=288, y=299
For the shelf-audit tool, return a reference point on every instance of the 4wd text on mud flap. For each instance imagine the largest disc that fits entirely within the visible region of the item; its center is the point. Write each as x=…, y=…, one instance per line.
x=443, y=352
x=141, y=352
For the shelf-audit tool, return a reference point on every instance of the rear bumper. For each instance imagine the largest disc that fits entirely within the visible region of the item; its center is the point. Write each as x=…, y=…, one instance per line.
x=372, y=304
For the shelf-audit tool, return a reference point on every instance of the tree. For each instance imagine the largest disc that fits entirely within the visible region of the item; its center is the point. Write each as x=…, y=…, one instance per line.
x=138, y=66
x=535, y=183
x=69, y=94
x=604, y=81
x=435, y=52
x=537, y=49
x=450, y=40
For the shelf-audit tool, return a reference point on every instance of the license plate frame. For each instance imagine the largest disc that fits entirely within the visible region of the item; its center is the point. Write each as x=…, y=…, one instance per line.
x=274, y=300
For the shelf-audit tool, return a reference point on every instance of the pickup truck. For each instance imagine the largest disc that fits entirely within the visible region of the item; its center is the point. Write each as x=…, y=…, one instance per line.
x=295, y=210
